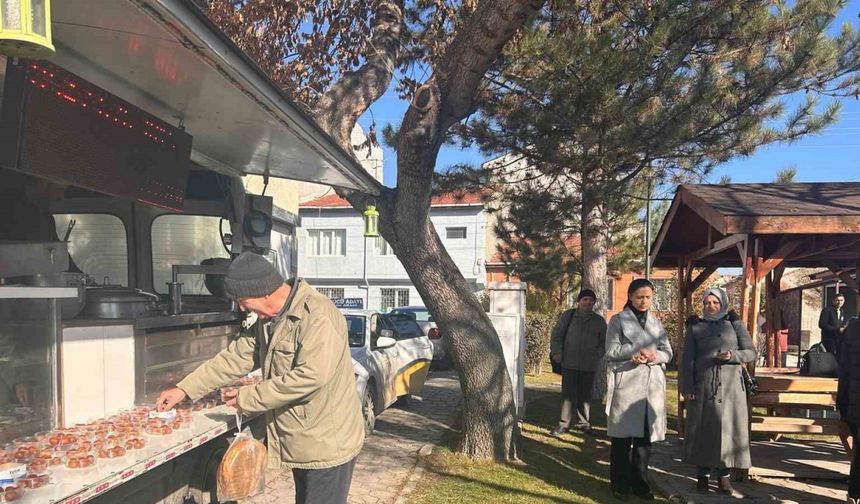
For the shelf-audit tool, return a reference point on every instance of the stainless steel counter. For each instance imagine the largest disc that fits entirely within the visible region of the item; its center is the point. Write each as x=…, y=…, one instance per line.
x=160, y=321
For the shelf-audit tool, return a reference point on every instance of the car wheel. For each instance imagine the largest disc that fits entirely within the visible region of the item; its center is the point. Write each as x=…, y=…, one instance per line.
x=368, y=409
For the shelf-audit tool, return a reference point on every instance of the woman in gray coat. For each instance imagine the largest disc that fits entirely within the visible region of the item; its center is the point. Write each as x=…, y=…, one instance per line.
x=717, y=425
x=637, y=349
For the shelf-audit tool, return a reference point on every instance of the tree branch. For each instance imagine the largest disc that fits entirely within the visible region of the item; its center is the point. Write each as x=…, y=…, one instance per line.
x=340, y=107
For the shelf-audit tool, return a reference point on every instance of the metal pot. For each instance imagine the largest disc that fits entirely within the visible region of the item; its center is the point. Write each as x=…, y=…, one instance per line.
x=215, y=283
x=69, y=307
x=117, y=302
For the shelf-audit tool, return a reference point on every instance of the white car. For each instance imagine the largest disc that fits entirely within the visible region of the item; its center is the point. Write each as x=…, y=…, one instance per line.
x=422, y=317
x=391, y=358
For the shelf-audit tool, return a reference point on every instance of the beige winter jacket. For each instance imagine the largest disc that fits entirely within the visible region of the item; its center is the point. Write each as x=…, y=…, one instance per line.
x=308, y=395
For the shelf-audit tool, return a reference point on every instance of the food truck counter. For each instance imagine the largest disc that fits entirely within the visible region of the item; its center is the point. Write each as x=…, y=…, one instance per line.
x=75, y=486
x=159, y=321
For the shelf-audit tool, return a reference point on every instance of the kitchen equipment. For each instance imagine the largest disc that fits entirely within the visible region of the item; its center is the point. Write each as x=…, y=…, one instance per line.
x=215, y=282
x=19, y=258
x=175, y=297
x=69, y=307
x=117, y=302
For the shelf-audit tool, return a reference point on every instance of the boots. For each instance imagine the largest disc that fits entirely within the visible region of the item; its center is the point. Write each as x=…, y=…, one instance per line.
x=725, y=486
x=702, y=484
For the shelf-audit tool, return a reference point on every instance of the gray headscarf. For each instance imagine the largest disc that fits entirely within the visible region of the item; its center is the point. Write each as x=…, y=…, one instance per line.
x=724, y=303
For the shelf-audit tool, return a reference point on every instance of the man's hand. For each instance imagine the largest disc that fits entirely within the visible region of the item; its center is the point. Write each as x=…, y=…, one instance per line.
x=168, y=399
x=230, y=396
x=556, y=357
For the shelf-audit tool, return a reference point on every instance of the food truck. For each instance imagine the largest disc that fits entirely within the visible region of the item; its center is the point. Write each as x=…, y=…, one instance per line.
x=121, y=206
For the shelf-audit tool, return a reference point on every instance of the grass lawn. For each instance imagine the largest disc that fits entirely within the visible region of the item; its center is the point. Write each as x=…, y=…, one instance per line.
x=570, y=470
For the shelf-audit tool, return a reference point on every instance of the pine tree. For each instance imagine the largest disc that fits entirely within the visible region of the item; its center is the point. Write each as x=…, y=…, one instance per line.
x=597, y=93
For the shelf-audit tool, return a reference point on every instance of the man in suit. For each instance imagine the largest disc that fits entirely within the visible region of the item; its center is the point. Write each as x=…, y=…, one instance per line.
x=832, y=323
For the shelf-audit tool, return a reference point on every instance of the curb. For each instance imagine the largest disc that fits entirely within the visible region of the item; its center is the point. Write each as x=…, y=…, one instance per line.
x=415, y=475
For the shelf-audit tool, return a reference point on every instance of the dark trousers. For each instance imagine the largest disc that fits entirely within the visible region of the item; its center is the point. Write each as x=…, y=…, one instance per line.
x=832, y=345
x=628, y=469
x=323, y=486
x=854, y=475
x=575, y=394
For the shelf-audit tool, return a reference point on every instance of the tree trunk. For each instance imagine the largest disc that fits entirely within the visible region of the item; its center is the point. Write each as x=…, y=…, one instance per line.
x=595, y=250
x=471, y=340
x=489, y=420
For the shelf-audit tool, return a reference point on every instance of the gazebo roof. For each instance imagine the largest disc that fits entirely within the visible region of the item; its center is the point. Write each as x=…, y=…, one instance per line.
x=813, y=224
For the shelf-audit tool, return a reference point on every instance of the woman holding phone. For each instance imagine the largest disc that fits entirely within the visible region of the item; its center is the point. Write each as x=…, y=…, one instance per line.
x=637, y=349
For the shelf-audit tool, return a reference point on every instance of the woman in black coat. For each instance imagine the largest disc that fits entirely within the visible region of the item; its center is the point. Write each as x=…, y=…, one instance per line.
x=717, y=426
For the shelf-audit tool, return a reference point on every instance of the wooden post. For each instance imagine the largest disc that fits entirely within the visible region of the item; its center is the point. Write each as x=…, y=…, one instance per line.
x=755, y=302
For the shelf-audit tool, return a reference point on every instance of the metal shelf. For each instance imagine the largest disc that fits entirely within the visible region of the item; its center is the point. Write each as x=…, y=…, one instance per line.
x=38, y=292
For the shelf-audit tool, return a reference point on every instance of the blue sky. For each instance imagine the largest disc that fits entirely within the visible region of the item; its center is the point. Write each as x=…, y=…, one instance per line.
x=830, y=156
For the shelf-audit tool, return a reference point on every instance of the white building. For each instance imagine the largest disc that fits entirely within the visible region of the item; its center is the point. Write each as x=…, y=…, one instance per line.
x=336, y=258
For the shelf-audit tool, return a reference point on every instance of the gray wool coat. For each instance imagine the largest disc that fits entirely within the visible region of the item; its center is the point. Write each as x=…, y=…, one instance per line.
x=636, y=393
x=717, y=424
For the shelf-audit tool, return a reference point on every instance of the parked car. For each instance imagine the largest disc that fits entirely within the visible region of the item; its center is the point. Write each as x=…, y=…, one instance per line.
x=391, y=357
x=424, y=320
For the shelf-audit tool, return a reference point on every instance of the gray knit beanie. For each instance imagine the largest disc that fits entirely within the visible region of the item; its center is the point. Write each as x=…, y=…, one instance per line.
x=251, y=276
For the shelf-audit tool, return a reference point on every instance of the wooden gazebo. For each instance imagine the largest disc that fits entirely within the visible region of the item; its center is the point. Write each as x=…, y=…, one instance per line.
x=764, y=229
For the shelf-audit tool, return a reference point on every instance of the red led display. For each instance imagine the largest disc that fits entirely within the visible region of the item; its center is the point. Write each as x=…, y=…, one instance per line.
x=75, y=132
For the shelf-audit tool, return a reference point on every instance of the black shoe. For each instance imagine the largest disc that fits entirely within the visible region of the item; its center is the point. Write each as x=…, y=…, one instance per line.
x=725, y=486
x=620, y=495
x=583, y=428
x=557, y=432
x=644, y=494
x=702, y=484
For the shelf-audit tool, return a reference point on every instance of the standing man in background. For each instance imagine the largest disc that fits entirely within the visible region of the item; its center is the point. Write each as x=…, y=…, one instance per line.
x=832, y=323
x=578, y=344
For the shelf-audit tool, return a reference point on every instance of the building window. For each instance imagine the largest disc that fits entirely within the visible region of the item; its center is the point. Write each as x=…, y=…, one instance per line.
x=610, y=294
x=381, y=247
x=331, y=292
x=664, y=294
x=455, y=233
x=393, y=298
x=326, y=242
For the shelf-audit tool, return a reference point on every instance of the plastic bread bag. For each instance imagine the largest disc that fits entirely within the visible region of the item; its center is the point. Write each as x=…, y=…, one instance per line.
x=242, y=472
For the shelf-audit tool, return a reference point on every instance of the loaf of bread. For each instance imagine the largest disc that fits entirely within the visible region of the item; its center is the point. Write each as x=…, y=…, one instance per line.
x=242, y=470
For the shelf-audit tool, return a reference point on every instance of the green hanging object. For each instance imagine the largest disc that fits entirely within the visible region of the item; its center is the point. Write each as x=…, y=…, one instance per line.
x=25, y=28
x=371, y=222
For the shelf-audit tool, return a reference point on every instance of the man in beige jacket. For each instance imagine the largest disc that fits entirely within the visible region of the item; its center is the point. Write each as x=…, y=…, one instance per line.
x=308, y=397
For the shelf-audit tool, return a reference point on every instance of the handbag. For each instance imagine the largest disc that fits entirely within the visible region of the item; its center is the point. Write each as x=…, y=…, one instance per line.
x=750, y=382
x=819, y=362
x=556, y=366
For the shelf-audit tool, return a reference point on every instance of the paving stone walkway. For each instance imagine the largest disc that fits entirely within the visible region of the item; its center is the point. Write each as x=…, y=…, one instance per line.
x=387, y=463
x=675, y=480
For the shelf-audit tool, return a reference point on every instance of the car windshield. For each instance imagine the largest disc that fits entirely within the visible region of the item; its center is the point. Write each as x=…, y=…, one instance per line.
x=404, y=326
x=355, y=328
x=416, y=315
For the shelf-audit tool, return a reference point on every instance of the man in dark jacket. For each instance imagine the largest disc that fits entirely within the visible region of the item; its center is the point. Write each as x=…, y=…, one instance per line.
x=578, y=341
x=848, y=398
x=832, y=323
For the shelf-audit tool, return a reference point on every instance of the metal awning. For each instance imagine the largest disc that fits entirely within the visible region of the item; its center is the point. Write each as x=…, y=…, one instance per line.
x=167, y=58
